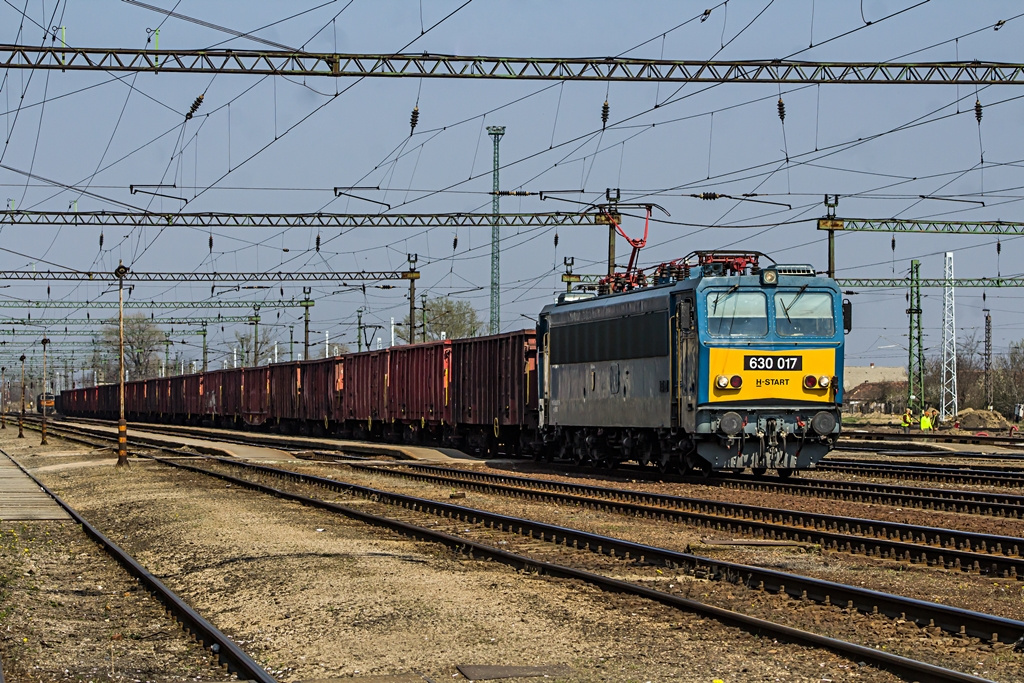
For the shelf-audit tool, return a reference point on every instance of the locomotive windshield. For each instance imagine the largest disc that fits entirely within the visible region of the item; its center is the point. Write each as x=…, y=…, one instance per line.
x=804, y=314
x=737, y=314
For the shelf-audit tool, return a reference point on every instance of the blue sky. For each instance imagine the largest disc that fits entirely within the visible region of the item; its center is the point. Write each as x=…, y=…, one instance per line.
x=282, y=144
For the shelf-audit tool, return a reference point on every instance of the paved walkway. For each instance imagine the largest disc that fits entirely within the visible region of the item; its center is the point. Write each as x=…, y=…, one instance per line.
x=21, y=498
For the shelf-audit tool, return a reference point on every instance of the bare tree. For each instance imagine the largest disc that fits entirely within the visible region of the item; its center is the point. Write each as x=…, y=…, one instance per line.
x=264, y=347
x=452, y=318
x=142, y=341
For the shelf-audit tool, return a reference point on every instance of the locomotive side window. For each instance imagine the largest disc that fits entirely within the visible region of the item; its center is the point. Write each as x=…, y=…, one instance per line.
x=737, y=314
x=804, y=314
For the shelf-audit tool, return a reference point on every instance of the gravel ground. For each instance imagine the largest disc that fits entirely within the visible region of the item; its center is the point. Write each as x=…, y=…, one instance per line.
x=1004, y=597
x=69, y=612
x=313, y=595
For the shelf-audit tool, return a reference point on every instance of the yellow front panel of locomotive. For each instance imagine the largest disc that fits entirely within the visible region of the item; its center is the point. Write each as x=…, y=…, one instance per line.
x=771, y=374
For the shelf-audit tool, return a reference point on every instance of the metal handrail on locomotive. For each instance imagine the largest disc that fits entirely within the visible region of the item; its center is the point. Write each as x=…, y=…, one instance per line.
x=719, y=364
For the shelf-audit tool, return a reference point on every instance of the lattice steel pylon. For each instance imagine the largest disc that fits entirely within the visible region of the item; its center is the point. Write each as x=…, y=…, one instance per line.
x=988, y=359
x=915, y=363
x=495, y=327
x=948, y=406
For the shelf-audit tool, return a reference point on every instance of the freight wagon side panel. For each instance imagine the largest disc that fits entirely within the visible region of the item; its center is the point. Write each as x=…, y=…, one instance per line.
x=321, y=389
x=495, y=379
x=418, y=378
x=255, y=391
x=283, y=400
x=192, y=398
x=231, y=393
x=365, y=394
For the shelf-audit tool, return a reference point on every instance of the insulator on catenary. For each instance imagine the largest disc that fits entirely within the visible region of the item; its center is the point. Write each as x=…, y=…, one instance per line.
x=195, y=105
x=894, y=242
x=455, y=243
x=556, y=240
x=47, y=291
x=318, y=244
x=999, y=247
x=101, y=240
x=211, y=244
x=414, y=119
x=977, y=110
x=782, y=110
x=709, y=195
x=605, y=110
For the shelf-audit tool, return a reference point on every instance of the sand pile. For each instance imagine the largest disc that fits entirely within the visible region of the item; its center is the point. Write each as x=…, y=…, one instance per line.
x=982, y=419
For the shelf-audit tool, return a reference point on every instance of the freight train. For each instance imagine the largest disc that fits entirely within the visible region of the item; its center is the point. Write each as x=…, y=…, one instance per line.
x=719, y=364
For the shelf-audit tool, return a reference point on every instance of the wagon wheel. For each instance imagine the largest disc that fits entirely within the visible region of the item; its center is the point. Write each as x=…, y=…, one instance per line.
x=785, y=472
x=644, y=454
x=664, y=462
x=701, y=468
x=759, y=471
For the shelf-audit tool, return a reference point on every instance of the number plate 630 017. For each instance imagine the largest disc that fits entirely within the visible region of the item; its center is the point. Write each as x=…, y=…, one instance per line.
x=773, y=363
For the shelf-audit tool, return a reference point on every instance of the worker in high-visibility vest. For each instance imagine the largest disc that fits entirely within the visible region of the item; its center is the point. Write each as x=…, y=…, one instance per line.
x=906, y=421
x=926, y=422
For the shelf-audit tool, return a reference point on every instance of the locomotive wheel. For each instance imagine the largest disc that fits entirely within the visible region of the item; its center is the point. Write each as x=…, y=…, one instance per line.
x=664, y=463
x=759, y=471
x=785, y=472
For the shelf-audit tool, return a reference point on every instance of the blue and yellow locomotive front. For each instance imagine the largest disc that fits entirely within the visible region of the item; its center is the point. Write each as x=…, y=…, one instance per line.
x=768, y=352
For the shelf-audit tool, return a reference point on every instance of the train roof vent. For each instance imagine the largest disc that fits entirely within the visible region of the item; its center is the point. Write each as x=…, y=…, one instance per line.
x=800, y=269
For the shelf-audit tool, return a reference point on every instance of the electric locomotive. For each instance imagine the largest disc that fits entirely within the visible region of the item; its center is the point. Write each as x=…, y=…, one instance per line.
x=719, y=364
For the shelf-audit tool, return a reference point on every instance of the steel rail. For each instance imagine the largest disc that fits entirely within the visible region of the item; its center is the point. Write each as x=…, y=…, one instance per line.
x=952, y=468
x=933, y=437
x=918, y=473
x=976, y=502
x=953, y=500
x=425, y=65
x=971, y=502
x=948, y=548
x=299, y=220
x=952, y=619
x=208, y=635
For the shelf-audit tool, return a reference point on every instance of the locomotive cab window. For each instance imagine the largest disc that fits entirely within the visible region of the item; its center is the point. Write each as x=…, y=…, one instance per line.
x=804, y=314
x=737, y=314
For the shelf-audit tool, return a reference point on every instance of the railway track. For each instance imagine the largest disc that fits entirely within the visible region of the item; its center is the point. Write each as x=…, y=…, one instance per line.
x=228, y=654
x=916, y=471
x=485, y=534
x=993, y=504
x=949, y=500
x=933, y=437
x=946, y=500
x=557, y=551
x=987, y=553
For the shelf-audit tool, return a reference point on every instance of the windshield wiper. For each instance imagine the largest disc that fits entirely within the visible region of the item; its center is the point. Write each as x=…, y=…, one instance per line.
x=718, y=298
x=785, y=308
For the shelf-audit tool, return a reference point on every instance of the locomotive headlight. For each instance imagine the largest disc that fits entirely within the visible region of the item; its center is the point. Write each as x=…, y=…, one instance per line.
x=823, y=381
x=769, y=276
x=722, y=382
